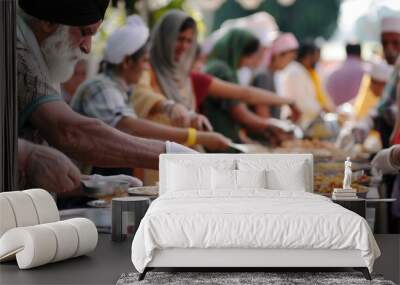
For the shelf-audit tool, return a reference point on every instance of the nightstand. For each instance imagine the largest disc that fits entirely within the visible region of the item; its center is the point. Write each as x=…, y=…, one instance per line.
x=127, y=212
x=357, y=206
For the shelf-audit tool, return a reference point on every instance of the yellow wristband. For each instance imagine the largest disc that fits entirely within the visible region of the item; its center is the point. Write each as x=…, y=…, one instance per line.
x=192, y=137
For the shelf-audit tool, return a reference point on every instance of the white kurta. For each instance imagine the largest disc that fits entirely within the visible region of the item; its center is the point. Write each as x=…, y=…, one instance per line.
x=296, y=83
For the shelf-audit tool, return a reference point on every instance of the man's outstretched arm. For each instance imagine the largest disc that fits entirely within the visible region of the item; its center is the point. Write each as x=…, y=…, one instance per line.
x=92, y=141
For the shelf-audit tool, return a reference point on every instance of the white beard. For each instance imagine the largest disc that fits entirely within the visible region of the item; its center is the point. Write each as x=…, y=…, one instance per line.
x=60, y=56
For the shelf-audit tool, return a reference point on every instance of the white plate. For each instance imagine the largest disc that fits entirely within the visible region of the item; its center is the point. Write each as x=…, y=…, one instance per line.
x=99, y=204
x=144, y=191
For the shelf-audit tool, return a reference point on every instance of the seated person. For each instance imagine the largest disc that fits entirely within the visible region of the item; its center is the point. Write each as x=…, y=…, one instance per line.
x=282, y=52
x=51, y=37
x=236, y=49
x=106, y=96
x=371, y=88
x=168, y=82
x=301, y=83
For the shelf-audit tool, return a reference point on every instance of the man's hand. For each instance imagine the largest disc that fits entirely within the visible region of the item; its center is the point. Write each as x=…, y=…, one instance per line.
x=171, y=147
x=200, y=123
x=276, y=135
x=51, y=170
x=213, y=141
x=385, y=161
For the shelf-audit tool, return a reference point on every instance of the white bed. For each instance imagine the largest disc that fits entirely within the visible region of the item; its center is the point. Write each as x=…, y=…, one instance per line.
x=247, y=211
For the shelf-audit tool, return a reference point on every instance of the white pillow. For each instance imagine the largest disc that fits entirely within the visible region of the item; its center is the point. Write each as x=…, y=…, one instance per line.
x=282, y=180
x=230, y=180
x=223, y=179
x=188, y=177
x=251, y=178
x=281, y=174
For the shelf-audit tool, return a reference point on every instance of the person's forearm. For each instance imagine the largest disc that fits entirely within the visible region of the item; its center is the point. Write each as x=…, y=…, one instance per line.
x=247, y=94
x=247, y=118
x=149, y=129
x=96, y=143
x=92, y=142
x=269, y=98
x=395, y=156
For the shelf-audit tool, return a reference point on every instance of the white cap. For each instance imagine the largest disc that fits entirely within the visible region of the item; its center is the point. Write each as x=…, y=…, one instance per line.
x=390, y=25
x=261, y=24
x=380, y=70
x=126, y=40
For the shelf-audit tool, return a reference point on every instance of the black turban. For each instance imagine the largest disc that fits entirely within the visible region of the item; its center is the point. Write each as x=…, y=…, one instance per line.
x=66, y=12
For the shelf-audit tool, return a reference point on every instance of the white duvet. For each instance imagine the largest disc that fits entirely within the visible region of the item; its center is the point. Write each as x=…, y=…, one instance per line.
x=250, y=219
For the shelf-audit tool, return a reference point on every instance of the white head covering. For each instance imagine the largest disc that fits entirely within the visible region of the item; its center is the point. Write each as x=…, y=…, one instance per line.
x=261, y=24
x=390, y=25
x=126, y=40
x=380, y=70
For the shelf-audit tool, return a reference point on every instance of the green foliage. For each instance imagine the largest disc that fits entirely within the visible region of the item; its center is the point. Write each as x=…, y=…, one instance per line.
x=156, y=15
x=305, y=18
x=180, y=5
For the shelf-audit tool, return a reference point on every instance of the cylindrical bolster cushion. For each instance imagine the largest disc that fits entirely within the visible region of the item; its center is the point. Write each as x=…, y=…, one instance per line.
x=87, y=235
x=37, y=245
x=33, y=246
x=23, y=208
x=67, y=239
x=45, y=205
x=7, y=218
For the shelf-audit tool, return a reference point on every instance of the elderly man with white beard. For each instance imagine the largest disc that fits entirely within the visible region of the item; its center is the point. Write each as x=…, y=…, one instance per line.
x=52, y=36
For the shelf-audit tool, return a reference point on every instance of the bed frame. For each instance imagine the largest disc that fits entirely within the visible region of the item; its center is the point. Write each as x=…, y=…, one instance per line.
x=261, y=259
x=246, y=259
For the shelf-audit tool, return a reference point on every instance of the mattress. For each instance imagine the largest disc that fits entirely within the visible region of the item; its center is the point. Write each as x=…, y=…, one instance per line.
x=251, y=219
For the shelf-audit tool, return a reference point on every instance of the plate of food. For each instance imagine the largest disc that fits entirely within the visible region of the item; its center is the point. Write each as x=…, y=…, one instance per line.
x=324, y=184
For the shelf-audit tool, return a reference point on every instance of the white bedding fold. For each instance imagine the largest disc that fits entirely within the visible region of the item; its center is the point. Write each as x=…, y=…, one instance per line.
x=250, y=219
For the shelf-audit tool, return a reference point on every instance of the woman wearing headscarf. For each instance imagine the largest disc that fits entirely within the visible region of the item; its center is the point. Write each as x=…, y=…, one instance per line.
x=205, y=85
x=236, y=49
x=172, y=51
